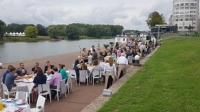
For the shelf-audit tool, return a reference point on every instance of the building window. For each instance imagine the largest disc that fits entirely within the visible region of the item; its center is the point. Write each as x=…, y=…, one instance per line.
x=182, y=4
x=186, y=27
x=180, y=27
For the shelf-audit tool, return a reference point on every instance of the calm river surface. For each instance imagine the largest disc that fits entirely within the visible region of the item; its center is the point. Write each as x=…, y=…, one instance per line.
x=18, y=51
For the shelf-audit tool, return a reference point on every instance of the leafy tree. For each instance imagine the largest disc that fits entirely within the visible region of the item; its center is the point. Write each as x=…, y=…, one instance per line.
x=14, y=27
x=31, y=31
x=53, y=31
x=41, y=30
x=2, y=28
x=72, y=32
x=155, y=18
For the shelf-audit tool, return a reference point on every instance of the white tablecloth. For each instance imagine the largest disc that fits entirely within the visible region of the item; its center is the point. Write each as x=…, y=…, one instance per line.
x=30, y=85
x=12, y=106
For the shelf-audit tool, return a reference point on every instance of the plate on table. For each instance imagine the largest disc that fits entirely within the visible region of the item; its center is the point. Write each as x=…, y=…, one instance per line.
x=9, y=100
x=20, y=102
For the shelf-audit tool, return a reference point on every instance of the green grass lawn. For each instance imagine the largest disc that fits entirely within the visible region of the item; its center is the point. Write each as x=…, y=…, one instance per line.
x=169, y=82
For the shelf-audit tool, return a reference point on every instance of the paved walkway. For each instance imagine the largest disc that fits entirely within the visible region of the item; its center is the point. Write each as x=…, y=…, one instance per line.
x=74, y=102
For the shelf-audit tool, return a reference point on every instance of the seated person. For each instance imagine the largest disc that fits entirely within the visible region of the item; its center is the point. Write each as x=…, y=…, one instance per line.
x=82, y=66
x=21, y=71
x=40, y=78
x=114, y=56
x=11, y=77
x=48, y=68
x=6, y=72
x=96, y=65
x=63, y=72
x=34, y=69
x=76, y=68
x=56, y=78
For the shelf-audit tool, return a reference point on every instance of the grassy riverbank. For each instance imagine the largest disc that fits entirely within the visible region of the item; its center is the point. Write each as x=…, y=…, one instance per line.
x=169, y=82
x=44, y=38
x=24, y=39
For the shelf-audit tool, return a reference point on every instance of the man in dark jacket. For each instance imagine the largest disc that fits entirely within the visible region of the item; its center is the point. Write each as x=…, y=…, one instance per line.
x=94, y=55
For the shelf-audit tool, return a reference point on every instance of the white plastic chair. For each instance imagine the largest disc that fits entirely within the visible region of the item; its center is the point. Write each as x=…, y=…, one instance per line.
x=24, y=89
x=73, y=75
x=83, y=73
x=22, y=95
x=61, y=87
x=96, y=74
x=44, y=89
x=6, y=92
x=69, y=83
x=130, y=59
x=40, y=102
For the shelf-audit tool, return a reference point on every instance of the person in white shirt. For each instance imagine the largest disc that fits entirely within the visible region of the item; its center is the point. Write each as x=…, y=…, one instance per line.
x=123, y=62
x=91, y=49
x=142, y=47
x=110, y=73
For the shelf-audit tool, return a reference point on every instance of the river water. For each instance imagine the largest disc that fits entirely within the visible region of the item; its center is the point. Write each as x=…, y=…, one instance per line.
x=18, y=51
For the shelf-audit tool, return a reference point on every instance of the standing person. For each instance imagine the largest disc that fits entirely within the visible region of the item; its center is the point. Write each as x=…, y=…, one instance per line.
x=6, y=72
x=63, y=72
x=94, y=55
x=11, y=77
x=93, y=48
x=85, y=55
x=21, y=71
x=99, y=46
x=76, y=68
x=142, y=47
x=117, y=45
x=123, y=62
x=48, y=67
x=110, y=73
x=34, y=69
x=111, y=47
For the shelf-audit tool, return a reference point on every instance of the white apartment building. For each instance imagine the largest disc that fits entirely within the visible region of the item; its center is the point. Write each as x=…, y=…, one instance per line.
x=185, y=14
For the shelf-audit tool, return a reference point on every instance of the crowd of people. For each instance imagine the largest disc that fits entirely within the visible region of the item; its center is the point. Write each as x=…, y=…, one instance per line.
x=115, y=60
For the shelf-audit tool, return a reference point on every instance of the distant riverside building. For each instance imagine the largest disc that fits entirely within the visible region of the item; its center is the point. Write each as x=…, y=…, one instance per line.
x=185, y=14
x=13, y=34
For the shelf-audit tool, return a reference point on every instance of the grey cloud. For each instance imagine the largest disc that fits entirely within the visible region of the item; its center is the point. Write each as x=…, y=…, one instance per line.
x=162, y=6
x=48, y=12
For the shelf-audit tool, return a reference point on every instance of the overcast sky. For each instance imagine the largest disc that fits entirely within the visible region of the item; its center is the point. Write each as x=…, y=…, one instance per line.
x=129, y=13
